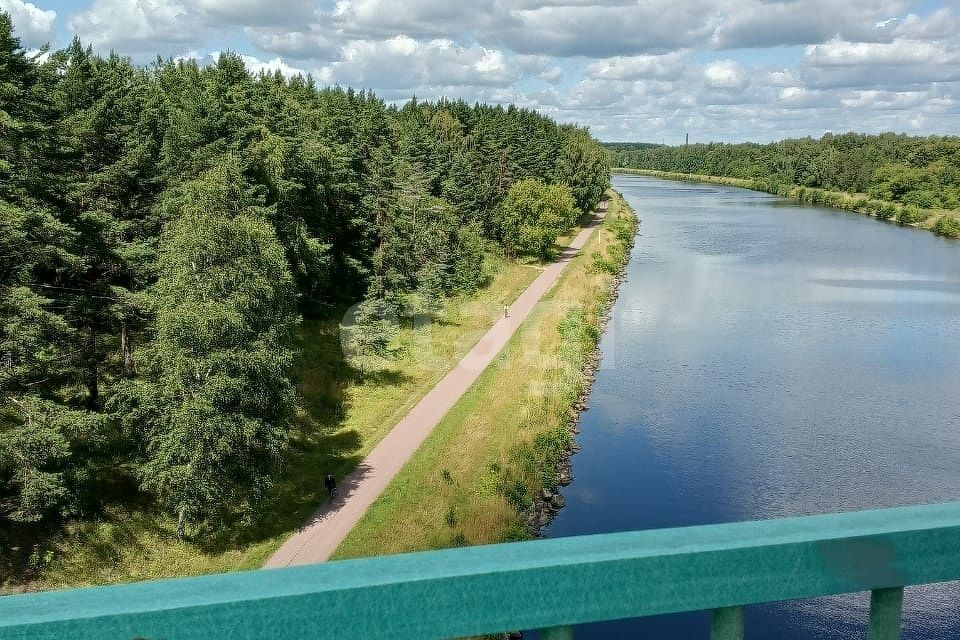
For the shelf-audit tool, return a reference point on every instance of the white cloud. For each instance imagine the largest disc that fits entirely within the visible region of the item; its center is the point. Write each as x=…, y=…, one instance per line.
x=259, y=12
x=256, y=66
x=838, y=53
x=669, y=65
x=309, y=43
x=886, y=100
x=367, y=19
x=725, y=74
x=941, y=24
x=33, y=25
x=602, y=29
x=404, y=63
x=756, y=23
x=792, y=93
x=892, y=65
x=631, y=69
x=160, y=26
x=552, y=75
x=136, y=26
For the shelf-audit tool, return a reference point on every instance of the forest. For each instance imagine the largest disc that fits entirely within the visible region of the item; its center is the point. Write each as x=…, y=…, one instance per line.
x=163, y=230
x=920, y=173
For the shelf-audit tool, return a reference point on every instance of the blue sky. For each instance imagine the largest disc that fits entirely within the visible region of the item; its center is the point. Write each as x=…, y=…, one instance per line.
x=722, y=70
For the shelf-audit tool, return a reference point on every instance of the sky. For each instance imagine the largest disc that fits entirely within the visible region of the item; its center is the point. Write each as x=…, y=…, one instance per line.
x=631, y=70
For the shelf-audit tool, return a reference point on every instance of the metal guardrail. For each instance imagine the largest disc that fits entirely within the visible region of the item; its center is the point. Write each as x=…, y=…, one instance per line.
x=546, y=584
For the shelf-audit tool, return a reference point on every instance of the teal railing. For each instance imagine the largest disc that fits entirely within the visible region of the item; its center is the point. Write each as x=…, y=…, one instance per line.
x=545, y=584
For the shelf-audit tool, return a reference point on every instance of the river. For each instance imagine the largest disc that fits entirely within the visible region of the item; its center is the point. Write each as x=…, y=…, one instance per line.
x=766, y=359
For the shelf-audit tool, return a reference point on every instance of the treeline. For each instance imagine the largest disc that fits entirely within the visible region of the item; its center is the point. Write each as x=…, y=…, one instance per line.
x=164, y=229
x=921, y=172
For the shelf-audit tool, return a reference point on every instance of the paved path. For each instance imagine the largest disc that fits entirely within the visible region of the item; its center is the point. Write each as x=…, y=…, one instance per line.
x=318, y=539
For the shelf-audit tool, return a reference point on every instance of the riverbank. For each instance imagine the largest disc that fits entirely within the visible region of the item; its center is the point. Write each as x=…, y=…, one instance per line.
x=770, y=361
x=476, y=478
x=941, y=222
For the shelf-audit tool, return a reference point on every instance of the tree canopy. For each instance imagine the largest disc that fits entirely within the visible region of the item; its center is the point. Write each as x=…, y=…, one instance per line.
x=163, y=230
x=533, y=215
x=920, y=171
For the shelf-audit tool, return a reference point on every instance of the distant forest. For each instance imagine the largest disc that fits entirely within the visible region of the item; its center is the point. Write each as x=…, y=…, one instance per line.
x=164, y=229
x=919, y=171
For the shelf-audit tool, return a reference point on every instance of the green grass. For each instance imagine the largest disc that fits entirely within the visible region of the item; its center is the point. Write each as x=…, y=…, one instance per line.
x=940, y=221
x=342, y=416
x=499, y=444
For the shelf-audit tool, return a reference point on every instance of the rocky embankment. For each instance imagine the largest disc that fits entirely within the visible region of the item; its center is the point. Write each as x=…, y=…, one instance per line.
x=548, y=502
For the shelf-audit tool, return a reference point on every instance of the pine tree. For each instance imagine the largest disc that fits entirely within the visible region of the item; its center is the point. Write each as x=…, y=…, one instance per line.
x=39, y=430
x=583, y=166
x=159, y=228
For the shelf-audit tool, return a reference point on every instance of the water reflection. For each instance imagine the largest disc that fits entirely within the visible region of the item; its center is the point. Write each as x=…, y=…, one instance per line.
x=766, y=360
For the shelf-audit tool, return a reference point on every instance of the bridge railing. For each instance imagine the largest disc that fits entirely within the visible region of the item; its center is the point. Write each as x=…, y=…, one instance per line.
x=545, y=584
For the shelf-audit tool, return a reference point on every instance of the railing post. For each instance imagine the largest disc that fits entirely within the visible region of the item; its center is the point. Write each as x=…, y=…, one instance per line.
x=886, y=606
x=557, y=633
x=727, y=623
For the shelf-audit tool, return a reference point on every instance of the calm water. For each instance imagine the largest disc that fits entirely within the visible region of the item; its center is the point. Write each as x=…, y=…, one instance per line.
x=766, y=360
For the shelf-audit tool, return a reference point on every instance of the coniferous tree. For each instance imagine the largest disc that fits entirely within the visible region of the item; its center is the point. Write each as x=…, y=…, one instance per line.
x=40, y=474
x=582, y=165
x=160, y=227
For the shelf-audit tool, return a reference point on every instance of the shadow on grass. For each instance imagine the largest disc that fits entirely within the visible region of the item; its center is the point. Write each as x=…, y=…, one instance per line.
x=124, y=517
x=105, y=539
x=318, y=443
x=440, y=321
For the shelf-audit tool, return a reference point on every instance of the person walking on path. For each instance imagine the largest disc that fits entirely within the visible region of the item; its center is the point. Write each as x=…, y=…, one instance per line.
x=506, y=311
x=331, y=483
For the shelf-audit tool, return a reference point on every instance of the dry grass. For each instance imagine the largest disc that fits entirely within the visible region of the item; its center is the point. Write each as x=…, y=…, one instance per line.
x=452, y=490
x=343, y=415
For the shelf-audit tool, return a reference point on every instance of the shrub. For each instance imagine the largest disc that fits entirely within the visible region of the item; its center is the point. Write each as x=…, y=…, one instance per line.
x=948, y=226
x=910, y=214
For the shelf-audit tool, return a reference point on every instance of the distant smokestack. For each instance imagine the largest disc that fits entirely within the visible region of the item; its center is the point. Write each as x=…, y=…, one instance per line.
x=686, y=140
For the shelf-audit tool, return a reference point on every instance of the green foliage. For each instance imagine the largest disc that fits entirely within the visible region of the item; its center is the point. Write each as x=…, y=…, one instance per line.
x=451, y=517
x=219, y=401
x=584, y=167
x=368, y=337
x=918, y=171
x=615, y=256
x=161, y=230
x=910, y=214
x=533, y=215
x=948, y=226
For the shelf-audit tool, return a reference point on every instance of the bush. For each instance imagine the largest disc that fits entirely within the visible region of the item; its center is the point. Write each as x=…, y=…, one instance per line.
x=885, y=211
x=948, y=226
x=910, y=214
